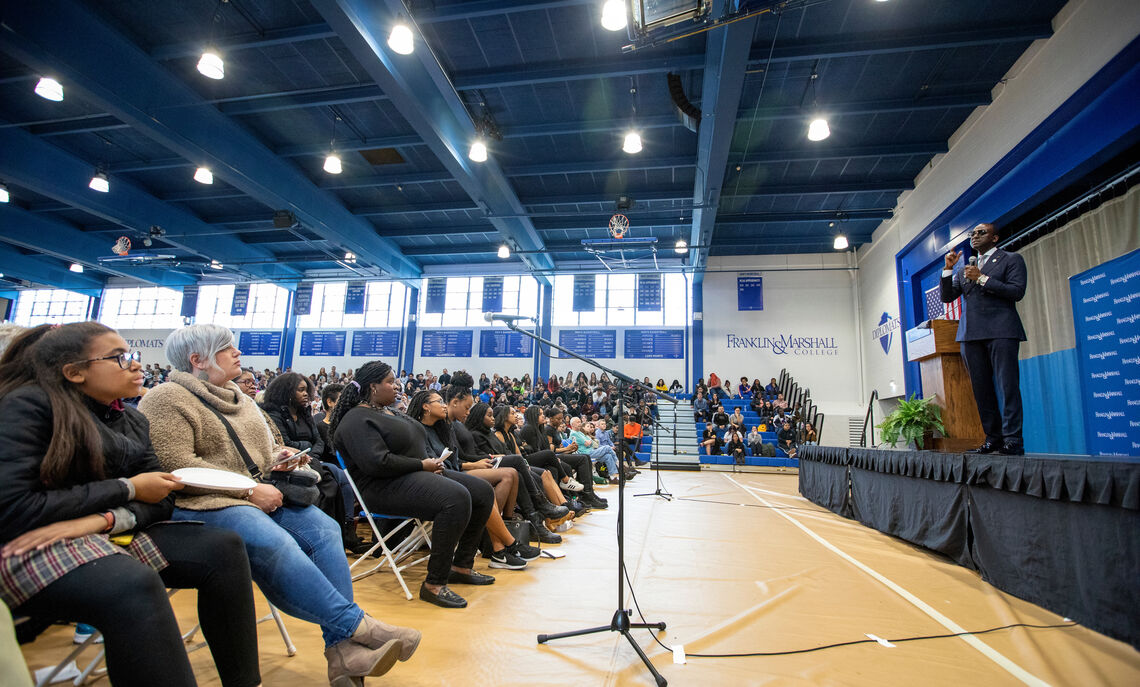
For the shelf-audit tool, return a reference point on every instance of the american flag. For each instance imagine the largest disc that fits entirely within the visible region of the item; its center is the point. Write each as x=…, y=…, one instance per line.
x=937, y=310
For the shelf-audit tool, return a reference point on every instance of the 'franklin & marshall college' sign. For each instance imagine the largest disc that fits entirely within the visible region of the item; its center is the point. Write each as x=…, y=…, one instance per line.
x=785, y=344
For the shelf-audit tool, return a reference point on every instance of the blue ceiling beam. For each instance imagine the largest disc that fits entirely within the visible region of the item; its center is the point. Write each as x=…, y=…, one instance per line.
x=847, y=47
x=46, y=271
x=726, y=52
x=55, y=237
x=50, y=171
x=960, y=100
x=473, y=9
x=231, y=44
x=420, y=90
x=316, y=97
x=119, y=77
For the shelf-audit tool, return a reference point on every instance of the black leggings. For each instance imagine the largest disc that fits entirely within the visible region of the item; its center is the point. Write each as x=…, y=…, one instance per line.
x=530, y=493
x=457, y=504
x=546, y=460
x=126, y=601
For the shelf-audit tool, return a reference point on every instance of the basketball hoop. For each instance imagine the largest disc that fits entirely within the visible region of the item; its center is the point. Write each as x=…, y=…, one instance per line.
x=619, y=224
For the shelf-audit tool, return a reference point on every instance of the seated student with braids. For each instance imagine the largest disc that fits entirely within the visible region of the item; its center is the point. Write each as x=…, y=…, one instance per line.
x=78, y=470
x=505, y=437
x=438, y=419
x=387, y=455
x=476, y=442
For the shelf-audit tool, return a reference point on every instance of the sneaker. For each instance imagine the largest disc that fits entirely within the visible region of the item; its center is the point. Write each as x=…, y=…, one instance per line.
x=83, y=632
x=524, y=551
x=572, y=484
x=506, y=560
x=615, y=480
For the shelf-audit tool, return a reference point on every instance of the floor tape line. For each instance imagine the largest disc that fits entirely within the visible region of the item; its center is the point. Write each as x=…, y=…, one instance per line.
x=989, y=652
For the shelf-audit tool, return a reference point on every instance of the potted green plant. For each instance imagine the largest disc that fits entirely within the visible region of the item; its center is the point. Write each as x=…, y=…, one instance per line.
x=912, y=420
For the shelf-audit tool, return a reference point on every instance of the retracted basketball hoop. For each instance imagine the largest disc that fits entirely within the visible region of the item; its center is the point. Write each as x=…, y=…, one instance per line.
x=619, y=225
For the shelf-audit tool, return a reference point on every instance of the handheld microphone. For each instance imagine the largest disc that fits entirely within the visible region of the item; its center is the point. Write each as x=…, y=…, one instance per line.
x=973, y=261
x=495, y=317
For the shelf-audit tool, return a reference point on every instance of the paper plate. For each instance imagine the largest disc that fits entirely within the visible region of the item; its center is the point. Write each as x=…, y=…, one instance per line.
x=208, y=480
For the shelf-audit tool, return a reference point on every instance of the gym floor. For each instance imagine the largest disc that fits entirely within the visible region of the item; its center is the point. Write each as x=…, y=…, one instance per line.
x=738, y=563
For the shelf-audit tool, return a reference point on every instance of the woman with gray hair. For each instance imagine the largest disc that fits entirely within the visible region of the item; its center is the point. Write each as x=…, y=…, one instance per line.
x=294, y=551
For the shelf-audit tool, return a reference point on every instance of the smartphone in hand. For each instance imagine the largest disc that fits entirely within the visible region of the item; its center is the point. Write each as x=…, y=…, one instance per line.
x=293, y=458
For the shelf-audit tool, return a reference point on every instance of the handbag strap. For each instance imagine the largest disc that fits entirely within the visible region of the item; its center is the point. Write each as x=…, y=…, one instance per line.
x=254, y=471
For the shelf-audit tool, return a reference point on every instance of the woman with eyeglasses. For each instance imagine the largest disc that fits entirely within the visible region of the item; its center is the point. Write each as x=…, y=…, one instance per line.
x=84, y=507
x=387, y=454
x=294, y=551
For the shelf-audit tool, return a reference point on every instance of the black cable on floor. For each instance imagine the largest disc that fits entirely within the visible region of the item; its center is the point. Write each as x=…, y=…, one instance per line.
x=789, y=652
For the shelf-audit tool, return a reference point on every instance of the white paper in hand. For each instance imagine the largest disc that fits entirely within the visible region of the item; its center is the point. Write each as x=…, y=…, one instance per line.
x=445, y=454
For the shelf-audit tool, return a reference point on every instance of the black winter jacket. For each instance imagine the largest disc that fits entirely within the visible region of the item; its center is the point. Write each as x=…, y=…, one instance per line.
x=301, y=433
x=26, y=504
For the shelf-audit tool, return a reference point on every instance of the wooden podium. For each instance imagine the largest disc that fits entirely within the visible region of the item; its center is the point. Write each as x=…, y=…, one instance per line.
x=945, y=380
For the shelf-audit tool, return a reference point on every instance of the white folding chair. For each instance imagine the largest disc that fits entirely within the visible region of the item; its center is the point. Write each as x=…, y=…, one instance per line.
x=392, y=557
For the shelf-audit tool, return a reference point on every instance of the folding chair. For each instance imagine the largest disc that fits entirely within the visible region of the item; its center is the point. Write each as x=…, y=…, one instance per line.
x=93, y=668
x=392, y=557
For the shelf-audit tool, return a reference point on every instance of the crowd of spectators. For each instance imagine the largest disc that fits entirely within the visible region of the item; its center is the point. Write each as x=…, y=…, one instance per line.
x=94, y=527
x=729, y=433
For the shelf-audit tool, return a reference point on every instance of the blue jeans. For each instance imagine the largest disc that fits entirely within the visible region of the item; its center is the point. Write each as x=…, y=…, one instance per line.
x=605, y=454
x=296, y=558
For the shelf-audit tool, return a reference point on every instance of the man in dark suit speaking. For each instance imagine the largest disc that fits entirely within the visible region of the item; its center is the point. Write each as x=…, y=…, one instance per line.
x=990, y=333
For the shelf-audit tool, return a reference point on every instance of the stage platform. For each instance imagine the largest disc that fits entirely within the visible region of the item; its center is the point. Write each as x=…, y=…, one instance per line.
x=737, y=564
x=1062, y=531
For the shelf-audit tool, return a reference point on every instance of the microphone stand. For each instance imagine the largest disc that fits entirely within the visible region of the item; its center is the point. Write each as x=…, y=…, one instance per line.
x=660, y=491
x=620, y=622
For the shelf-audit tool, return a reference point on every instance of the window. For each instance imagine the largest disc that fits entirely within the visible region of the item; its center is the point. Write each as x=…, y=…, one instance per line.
x=384, y=304
x=464, y=307
x=50, y=306
x=265, y=310
x=141, y=308
x=615, y=302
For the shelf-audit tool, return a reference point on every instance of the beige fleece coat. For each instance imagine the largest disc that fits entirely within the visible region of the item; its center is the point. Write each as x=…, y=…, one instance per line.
x=186, y=434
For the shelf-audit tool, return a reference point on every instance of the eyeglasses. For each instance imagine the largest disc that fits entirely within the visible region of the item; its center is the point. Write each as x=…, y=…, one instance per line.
x=247, y=382
x=124, y=359
x=979, y=232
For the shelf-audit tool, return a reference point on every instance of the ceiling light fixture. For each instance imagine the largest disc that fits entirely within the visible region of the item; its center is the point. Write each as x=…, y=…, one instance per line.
x=613, y=15
x=401, y=40
x=332, y=164
x=632, y=144
x=350, y=257
x=818, y=129
x=478, y=151
x=100, y=182
x=840, y=242
x=49, y=89
x=215, y=265
x=203, y=175
x=76, y=268
x=504, y=251
x=3, y=193
x=210, y=65
x=680, y=246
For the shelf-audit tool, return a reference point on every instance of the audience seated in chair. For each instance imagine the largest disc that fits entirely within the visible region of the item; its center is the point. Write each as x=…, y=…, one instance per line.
x=285, y=542
x=81, y=485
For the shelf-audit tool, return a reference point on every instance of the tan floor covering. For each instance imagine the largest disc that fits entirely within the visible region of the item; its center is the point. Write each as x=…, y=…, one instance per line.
x=733, y=567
